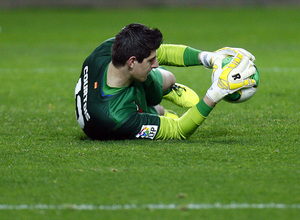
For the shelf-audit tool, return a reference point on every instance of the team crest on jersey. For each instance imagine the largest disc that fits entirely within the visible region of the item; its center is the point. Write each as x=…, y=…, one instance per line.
x=147, y=131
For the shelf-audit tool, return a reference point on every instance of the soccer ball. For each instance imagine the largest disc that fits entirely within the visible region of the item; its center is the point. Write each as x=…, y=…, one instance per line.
x=245, y=94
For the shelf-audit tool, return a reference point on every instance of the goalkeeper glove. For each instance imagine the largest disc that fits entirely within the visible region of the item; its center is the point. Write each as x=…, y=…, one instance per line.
x=209, y=58
x=231, y=78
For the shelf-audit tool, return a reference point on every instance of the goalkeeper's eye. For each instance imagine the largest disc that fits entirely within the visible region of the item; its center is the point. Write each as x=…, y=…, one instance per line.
x=152, y=61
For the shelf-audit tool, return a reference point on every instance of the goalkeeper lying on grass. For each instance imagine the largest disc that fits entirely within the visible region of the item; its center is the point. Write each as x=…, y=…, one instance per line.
x=121, y=85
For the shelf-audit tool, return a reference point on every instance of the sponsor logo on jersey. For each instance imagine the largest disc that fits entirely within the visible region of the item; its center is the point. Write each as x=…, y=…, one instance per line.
x=147, y=131
x=95, y=85
x=138, y=107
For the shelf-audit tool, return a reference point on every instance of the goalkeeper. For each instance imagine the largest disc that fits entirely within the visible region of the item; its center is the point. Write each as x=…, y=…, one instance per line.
x=121, y=86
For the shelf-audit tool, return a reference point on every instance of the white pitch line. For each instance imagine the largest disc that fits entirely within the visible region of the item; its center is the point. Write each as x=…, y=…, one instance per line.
x=77, y=70
x=41, y=70
x=150, y=206
x=278, y=69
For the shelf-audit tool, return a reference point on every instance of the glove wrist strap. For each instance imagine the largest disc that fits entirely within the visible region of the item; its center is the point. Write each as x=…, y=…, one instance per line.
x=214, y=94
x=205, y=58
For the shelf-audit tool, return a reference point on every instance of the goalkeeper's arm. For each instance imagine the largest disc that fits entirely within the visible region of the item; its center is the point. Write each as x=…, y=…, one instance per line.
x=181, y=55
x=178, y=55
x=186, y=125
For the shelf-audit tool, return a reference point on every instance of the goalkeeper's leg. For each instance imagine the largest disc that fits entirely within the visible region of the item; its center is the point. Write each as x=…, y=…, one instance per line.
x=182, y=95
x=178, y=94
x=165, y=112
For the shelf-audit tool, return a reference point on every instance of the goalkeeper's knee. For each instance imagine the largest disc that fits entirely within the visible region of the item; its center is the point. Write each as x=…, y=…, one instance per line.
x=182, y=96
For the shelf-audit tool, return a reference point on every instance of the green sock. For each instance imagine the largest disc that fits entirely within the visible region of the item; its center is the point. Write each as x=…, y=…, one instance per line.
x=203, y=108
x=167, y=91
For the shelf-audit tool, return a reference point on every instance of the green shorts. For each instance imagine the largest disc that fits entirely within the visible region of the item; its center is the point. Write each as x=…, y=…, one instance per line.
x=153, y=89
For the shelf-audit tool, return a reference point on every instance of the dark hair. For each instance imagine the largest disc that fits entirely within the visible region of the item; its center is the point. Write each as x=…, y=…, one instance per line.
x=135, y=40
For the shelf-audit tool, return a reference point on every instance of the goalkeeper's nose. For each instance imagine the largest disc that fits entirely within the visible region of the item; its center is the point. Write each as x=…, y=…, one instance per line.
x=155, y=63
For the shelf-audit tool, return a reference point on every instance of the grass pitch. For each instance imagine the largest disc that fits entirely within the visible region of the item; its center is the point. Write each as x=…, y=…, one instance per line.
x=243, y=154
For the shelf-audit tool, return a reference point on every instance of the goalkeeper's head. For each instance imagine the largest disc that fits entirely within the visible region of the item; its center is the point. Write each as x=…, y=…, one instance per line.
x=135, y=40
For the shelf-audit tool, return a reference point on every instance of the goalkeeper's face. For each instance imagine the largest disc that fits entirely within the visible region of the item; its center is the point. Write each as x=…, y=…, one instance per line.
x=141, y=70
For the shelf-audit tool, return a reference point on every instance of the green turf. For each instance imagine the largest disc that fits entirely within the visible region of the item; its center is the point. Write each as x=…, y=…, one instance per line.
x=243, y=153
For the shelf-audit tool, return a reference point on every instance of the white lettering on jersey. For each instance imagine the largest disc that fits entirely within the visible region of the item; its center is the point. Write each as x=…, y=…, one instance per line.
x=78, y=104
x=78, y=87
x=147, y=131
x=78, y=98
x=85, y=93
x=80, y=116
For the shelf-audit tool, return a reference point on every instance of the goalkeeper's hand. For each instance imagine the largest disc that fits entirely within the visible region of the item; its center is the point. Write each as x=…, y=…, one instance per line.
x=208, y=59
x=231, y=78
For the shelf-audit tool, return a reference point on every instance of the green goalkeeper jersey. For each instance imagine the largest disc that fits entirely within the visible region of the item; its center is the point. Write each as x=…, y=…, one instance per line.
x=125, y=113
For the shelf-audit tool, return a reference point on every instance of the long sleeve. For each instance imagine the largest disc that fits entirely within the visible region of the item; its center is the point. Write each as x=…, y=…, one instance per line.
x=177, y=55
